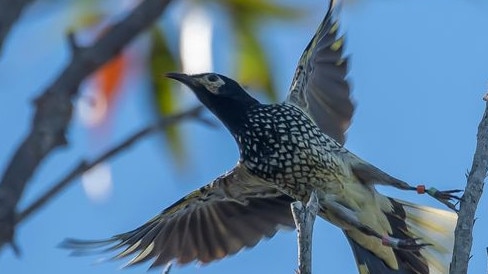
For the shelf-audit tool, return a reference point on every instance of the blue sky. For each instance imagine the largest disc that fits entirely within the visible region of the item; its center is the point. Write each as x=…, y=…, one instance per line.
x=418, y=69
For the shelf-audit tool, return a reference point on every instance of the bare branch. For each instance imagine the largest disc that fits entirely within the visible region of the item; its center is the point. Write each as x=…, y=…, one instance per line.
x=84, y=166
x=54, y=108
x=9, y=13
x=167, y=268
x=474, y=188
x=304, y=217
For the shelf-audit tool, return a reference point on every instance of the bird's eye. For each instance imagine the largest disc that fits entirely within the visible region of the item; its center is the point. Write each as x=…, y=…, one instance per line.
x=212, y=78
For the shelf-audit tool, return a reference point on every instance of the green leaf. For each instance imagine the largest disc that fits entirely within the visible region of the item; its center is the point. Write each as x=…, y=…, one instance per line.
x=253, y=66
x=260, y=9
x=165, y=101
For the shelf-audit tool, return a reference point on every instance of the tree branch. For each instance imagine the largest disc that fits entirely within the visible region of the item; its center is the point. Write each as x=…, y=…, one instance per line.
x=84, y=166
x=9, y=13
x=167, y=268
x=472, y=194
x=304, y=217
x=54, y=108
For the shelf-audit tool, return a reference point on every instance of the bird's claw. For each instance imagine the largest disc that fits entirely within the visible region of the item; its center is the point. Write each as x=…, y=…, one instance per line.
x=446, y=197
x=404, y=244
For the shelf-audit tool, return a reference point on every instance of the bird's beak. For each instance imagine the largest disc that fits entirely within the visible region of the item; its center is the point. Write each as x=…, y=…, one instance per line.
x=183, y=78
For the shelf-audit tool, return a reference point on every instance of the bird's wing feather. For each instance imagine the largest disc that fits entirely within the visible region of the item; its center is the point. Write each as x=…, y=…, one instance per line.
x=319, y=86
x=409, y=221
x=217, y=220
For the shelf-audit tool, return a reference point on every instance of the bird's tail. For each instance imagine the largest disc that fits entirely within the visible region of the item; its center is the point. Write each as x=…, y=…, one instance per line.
x=429, y=225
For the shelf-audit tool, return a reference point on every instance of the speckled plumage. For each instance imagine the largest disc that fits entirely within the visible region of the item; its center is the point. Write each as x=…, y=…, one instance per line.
x=281, y=144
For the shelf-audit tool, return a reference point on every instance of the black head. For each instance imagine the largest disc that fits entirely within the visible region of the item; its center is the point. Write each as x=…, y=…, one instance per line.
x=221, y=95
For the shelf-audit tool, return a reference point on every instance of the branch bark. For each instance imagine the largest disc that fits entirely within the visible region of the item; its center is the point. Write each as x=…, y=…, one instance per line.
x=9, y=13
x=84, y=166
x=54, y=108
x=474, y=188
x=304, y=217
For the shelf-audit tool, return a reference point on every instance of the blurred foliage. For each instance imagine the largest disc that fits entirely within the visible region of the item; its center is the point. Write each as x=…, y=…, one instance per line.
x=253, y=68
x=165, y=102
x=259, y=9
x=110, y=76
x=88, y=24
x=88, y=14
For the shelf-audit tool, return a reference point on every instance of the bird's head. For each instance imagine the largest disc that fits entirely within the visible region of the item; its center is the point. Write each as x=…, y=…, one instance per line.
x=221, y=95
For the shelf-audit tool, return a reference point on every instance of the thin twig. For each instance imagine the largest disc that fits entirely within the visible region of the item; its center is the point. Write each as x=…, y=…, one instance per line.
x=54, y=108
x=84, y=166
x=486, y=258
x=304, y=217
x=167, y=268
x=474, y=188
x=10, y=11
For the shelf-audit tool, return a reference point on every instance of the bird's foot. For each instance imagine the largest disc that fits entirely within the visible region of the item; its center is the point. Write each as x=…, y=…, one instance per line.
x=405, y=244
x=446, y=197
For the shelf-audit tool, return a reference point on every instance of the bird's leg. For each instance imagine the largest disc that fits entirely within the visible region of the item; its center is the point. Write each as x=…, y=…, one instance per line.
x=349, y=217
x=372, y=175
x=446, y=197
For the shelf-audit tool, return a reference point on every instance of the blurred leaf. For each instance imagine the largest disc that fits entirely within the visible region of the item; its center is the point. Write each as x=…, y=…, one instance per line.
x=88, y=24
x=88, y=14
x=253, y=67
x=260, y=9
x=109, y=77
x=161, y=60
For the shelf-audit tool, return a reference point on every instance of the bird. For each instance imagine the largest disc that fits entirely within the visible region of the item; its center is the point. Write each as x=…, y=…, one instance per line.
x=287, y=151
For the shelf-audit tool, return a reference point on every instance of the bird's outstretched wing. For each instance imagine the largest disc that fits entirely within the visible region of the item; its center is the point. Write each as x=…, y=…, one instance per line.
x=217, y=220
x=319, y=86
